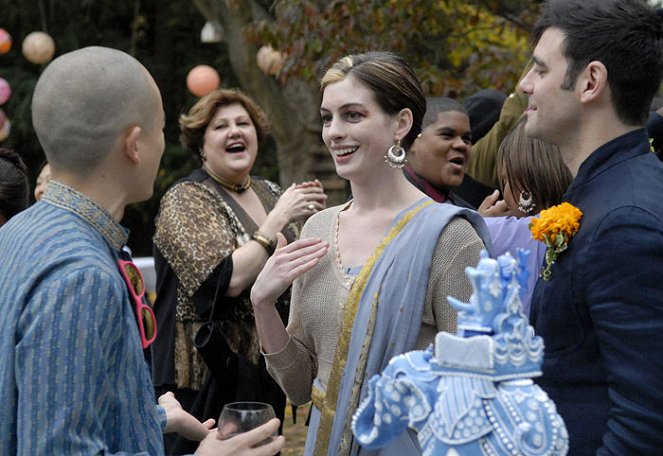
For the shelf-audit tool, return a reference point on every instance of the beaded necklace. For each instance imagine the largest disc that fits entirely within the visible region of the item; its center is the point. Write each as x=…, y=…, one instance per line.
x=238, y=188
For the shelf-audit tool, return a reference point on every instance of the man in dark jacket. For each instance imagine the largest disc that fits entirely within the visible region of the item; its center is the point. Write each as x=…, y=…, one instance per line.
x=597, y=66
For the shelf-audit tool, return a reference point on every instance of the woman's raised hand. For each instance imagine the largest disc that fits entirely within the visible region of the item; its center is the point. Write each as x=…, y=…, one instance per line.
x=301, y=200
x=288, y=262
x=493, y=206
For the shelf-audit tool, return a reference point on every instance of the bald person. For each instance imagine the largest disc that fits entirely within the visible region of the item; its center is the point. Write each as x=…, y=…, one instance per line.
x=75, y=377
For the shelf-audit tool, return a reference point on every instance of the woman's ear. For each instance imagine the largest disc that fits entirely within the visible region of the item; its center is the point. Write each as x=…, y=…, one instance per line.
x=404, y=120
x=130, y=144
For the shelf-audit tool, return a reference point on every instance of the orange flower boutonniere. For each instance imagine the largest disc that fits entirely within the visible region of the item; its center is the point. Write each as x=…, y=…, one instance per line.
x=555, y=227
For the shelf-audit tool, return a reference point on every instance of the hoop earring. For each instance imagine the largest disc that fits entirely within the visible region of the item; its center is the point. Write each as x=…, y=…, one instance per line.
x=526, y=202
x=396, y=155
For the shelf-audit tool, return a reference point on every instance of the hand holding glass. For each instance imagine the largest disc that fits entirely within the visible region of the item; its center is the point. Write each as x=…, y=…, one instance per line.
x=238, y=417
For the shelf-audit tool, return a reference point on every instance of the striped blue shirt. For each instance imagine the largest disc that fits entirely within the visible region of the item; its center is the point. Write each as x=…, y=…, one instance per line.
x=73, y=379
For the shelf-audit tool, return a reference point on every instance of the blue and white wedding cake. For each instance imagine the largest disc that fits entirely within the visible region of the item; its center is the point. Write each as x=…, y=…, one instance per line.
x=472, y=393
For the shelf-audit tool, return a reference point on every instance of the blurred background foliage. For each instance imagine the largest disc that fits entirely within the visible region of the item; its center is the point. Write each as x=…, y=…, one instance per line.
x=457, y=47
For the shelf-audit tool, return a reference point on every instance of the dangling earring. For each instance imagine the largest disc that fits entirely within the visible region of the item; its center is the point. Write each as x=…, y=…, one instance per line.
x=203, y=157
x=396, y=155
x=526, y=202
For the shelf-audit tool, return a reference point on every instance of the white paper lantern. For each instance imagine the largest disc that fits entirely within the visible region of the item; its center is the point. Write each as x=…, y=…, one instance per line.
x=269, y=60
x=38, y=47
x=212, y=32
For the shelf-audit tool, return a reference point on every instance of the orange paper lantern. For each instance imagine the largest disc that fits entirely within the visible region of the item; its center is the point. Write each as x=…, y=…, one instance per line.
x=202, y=80
x=269, y=60
x=38, y=47
x=5, y=41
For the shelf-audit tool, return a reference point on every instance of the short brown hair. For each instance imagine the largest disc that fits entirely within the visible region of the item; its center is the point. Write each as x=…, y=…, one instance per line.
x=534, y=166
x=194, y=124
x=393, y=82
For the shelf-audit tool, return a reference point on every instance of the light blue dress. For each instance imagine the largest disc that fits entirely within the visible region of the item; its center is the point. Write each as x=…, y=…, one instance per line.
x=508, y=234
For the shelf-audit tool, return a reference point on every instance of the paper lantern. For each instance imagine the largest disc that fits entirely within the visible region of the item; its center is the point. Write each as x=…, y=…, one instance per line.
x=3, y=119
x=4, y=131
x=38, y=47
x=212, y=32
x=5, y=41
x=202, y=80
x=269, y=60
x=5, y=91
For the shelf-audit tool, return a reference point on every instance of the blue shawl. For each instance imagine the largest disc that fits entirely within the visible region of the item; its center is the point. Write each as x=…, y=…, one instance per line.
x=383, y=314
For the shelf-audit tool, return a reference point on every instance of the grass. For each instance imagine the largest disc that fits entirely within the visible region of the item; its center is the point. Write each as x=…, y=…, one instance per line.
x=295, y=434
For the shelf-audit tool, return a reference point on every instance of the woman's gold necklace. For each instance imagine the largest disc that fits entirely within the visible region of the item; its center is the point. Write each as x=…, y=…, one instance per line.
x=241, y=188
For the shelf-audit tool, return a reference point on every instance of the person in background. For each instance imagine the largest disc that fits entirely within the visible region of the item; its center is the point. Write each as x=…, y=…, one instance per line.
x=74, y=376
x=529, y=169
x=655, y=120
x=484, y=108
x=43, y=177
x=597, y=66
x=371, y=275
x=482, y=169
x=214, y=231
x=14, y=187
x=483, y=166
x=533, y=177
x=438, y=159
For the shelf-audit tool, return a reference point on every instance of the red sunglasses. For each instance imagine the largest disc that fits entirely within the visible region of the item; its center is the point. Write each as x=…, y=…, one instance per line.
x=147, y=322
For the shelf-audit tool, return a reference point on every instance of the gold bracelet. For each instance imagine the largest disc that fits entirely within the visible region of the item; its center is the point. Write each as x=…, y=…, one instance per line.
x=265, y=241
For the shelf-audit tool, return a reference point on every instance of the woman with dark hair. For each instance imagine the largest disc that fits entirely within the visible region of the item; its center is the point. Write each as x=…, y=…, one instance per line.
x=14, y=187
x=214, y=231
x=438, y=158
x=372, y=275
x=533, y=177
x=532, y=173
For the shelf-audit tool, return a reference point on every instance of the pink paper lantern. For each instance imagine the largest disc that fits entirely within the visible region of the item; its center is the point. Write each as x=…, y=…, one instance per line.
x=4, y=131
x=38, y=47
x=5, y=41
x=202, y=80
x=5, y=91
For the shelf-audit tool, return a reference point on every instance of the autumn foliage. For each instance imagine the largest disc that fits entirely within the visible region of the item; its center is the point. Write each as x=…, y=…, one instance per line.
x=457, y=47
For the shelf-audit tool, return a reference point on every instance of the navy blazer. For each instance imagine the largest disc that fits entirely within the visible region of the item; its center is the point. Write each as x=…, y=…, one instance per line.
x=601, y=312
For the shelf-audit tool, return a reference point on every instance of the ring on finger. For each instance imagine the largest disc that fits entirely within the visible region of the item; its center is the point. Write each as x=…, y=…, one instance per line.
x=311, y=207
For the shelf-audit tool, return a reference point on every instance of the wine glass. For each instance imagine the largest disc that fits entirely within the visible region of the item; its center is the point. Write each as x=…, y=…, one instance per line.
x=238, y=417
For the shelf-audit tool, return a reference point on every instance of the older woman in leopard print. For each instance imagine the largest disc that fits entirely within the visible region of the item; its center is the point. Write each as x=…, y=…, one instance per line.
x=214, y=232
